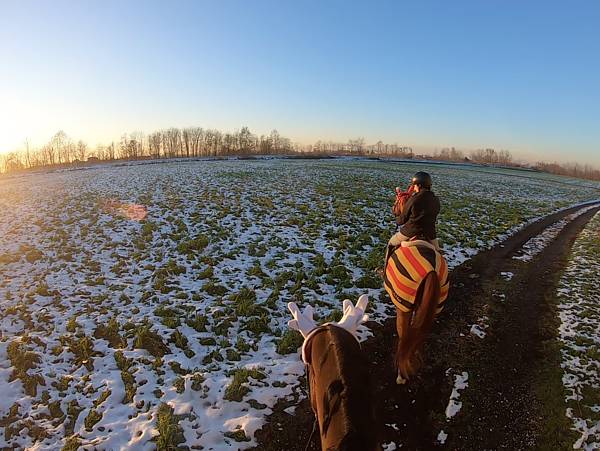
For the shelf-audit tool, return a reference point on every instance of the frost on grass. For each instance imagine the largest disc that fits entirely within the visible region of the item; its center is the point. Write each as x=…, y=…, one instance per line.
x=579, y=332
x=171, y=327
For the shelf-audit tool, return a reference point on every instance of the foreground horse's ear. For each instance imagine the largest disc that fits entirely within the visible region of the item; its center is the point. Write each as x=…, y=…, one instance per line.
x=363, y=300
x=354, y=316
x=303, y=321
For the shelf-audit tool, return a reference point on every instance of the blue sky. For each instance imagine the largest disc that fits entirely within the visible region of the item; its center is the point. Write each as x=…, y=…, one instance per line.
x=523, y=76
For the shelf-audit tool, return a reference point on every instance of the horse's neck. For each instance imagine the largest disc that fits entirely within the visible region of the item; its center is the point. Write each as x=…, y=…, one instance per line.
x=339, y=388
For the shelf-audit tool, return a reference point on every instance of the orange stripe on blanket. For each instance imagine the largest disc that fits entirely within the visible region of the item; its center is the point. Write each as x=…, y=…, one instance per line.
x=398, y=285
x=425, y=263
x=415, y=266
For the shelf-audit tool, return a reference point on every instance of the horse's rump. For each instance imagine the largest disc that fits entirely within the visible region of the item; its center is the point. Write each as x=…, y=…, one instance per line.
x=405, y=270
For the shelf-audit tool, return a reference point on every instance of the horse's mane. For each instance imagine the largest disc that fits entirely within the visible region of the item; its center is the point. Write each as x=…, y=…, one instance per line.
x=348, y=391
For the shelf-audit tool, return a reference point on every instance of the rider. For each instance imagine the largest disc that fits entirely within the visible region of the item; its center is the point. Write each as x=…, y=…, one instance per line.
x=418, y=217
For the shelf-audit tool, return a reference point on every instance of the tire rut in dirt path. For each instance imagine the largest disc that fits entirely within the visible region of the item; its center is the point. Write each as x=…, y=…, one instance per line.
x=413, y=415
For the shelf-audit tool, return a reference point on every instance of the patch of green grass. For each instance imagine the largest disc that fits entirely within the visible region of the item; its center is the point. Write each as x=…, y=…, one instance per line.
x=232, y=355
x=103, y=397
x=110, y=333
x=289, y=343
x=256, y=271
x=208, y=341
x=241, y=345
x=238, y=435
x=72, y=443
x=93, y=417
x=73, y=411
x=179, y=385
x=206, y=273
x=23, y=361
x=83, y=349
x=198, y=322
x=124, y=364
x=549, y=389
x=178, y=369
x=214, y=289
x=179, y=340
x=236, y=391
x=244, y=303
x=43, y=290
x=146, y=338
x=194, y=245
x=222, y=328
x=258, y=325
x=334, y=316
x=34, y=255
x=369, y=280
x=197, y=381
x=168, y=315
x=148, y=229
x=62, y=384
x=55, y=410
x=213, y=355
x=170, y=434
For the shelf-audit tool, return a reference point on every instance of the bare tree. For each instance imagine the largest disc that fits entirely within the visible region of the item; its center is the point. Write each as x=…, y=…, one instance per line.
x=196, y=140
x=186, y=134
x=155, y=144
x=81, y=150
x=172, y=141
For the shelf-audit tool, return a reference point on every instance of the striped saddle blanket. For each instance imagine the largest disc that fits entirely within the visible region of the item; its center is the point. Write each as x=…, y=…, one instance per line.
x=407, y=267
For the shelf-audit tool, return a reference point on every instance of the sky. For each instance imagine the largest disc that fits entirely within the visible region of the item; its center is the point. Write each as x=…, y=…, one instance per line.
x=522, y=76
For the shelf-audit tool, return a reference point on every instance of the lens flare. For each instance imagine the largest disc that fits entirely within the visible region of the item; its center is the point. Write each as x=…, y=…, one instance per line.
x=133, y=212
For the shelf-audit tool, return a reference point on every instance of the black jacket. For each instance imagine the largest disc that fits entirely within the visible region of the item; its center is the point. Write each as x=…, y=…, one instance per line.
x=419, y=215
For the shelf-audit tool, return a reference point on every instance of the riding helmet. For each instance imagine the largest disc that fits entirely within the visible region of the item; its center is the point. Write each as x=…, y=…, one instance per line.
x=422, y=179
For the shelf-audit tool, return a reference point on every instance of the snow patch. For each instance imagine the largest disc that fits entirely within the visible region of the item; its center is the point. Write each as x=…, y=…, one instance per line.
x=454, y=405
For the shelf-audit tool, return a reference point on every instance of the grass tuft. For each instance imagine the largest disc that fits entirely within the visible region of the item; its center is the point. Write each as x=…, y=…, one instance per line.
x=289, y=343
x=236, y=390
x=170, y=434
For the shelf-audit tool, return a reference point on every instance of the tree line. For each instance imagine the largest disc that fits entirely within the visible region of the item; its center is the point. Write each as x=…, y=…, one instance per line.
x=482, y=156
x=576, y=170
x=191, y=142
x=198, y=142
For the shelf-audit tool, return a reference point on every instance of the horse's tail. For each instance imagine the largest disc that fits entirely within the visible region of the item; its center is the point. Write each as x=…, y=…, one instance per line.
x=414, y=332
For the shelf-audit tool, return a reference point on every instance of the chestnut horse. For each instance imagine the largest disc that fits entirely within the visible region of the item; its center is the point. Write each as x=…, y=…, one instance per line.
x=416, y=278
x=338, y=377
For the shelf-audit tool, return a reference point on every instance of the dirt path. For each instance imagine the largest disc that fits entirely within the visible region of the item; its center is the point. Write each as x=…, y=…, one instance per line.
x=501, y=407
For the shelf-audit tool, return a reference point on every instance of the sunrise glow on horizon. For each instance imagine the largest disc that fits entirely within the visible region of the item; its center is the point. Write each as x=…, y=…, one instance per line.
x=510, y=75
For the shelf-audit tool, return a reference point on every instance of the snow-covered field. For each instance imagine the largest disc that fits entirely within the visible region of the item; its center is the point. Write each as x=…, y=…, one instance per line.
x=143, y=306
x=579, y=311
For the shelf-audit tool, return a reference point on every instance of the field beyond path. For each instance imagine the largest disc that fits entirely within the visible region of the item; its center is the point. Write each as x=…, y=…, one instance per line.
x=144, y=306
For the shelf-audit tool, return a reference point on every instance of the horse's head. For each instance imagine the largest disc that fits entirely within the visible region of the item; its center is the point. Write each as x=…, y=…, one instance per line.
x=353, y=316
x=338, y=376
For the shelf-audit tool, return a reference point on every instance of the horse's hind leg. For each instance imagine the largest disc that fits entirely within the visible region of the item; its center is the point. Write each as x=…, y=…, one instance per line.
x=402, y=324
